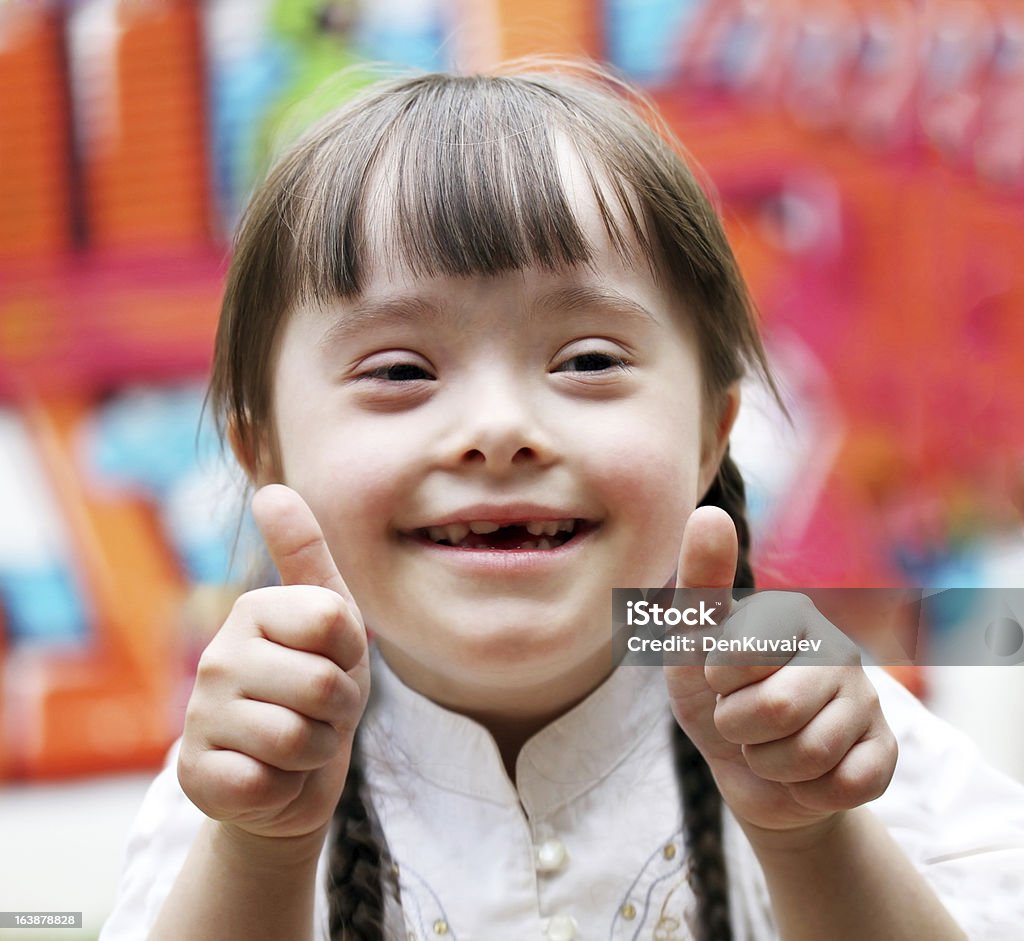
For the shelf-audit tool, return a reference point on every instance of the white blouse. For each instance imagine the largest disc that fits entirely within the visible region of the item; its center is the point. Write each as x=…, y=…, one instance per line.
x=587, y=843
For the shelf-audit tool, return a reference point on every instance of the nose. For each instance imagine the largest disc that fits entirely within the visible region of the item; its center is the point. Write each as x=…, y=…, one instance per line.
x=500, y=426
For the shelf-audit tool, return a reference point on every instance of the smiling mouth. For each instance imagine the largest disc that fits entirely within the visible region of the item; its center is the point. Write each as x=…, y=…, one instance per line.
x=485, y=535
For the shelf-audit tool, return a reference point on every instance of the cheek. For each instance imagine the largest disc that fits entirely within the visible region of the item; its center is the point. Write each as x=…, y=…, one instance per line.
x=352, y=481
x=650, y=476
x=652, y=459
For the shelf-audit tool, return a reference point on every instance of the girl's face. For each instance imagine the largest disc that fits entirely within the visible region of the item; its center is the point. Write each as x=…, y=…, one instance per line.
x=564, y=407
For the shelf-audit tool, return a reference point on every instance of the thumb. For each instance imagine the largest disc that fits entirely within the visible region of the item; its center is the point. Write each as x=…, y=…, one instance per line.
x=710, y=550
x=707, y=559
x=295, y=541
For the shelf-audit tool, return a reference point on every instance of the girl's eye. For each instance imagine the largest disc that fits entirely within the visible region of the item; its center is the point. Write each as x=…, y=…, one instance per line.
x=399, y=372
x=592, y=362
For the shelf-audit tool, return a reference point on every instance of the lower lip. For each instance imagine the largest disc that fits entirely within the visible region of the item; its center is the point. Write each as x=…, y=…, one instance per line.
x=505, y=561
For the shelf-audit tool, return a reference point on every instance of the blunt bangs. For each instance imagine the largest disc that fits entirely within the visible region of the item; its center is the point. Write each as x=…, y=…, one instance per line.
x=463, y=176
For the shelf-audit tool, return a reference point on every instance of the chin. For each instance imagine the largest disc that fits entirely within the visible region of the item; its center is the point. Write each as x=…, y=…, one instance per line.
x=501, y=645
x=519, y=667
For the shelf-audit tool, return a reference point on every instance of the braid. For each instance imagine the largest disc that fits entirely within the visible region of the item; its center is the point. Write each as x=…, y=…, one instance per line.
x=702, y=816
x=730, y=494
x=702, y=801
x=359, y=856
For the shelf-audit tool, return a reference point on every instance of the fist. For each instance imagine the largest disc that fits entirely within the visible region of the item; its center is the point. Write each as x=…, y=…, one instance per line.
x=280, y=689
x=791, y=738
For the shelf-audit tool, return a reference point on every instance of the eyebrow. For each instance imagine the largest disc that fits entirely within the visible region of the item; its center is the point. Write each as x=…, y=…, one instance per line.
x=413, y=309
x=583, y=298
x=392, y=311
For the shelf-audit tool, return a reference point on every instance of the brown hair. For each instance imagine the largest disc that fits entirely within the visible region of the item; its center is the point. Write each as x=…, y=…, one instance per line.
x=468, y=170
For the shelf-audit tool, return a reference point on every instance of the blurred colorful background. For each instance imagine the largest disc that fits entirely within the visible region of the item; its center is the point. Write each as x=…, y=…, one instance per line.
x=869, y=158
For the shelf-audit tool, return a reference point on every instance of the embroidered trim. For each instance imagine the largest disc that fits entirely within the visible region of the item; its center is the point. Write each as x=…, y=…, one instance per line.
x=666, y=863
x=421, y=908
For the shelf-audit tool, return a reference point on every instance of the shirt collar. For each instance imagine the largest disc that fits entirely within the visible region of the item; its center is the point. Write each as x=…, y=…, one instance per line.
x=404, y=729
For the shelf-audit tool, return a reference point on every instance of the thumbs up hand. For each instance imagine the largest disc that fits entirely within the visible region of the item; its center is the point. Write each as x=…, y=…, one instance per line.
x=791, y=739
x=280, y=689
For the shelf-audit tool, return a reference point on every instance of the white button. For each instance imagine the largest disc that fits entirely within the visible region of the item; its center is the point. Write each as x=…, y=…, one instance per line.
x=551, y=855
x=561, y=928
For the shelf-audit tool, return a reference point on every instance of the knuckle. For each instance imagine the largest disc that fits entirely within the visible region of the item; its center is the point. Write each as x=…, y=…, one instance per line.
x=252, y=785
x=804, y=604
x=816, y=754
x=326, y=685
x=323, y=611
x=726, y=720
x=758, y=759
x=874, y=789
x=892, y=746
x=250, y=609
x=857, y=785
x=352, y=705
x=850, y=656
x=213, y=668
x=780, y=711
x=889, y=753
x=291, y=736
x=851, y=787
x=819, y=795
x=246, y=605
x=872, y=703
x=188, y=767
x=195, y=711
x=784, y=604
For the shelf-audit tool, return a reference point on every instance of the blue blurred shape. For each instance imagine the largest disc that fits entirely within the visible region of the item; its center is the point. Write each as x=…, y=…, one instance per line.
x=642, y=36
x=39, y=593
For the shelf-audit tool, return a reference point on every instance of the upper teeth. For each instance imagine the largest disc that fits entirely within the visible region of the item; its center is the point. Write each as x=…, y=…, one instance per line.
x=456, y=532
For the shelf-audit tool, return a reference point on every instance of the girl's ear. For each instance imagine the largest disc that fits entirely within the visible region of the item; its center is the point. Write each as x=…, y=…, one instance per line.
x=717, y=439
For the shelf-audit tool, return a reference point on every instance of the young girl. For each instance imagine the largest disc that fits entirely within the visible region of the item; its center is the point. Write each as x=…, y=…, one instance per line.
x=480, y=349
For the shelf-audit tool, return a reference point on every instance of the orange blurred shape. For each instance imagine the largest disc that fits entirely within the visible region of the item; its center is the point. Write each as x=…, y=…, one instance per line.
x=555, y=27
x=110, y=703
x=144, y=160
x=34, y=145
x=80, y=716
